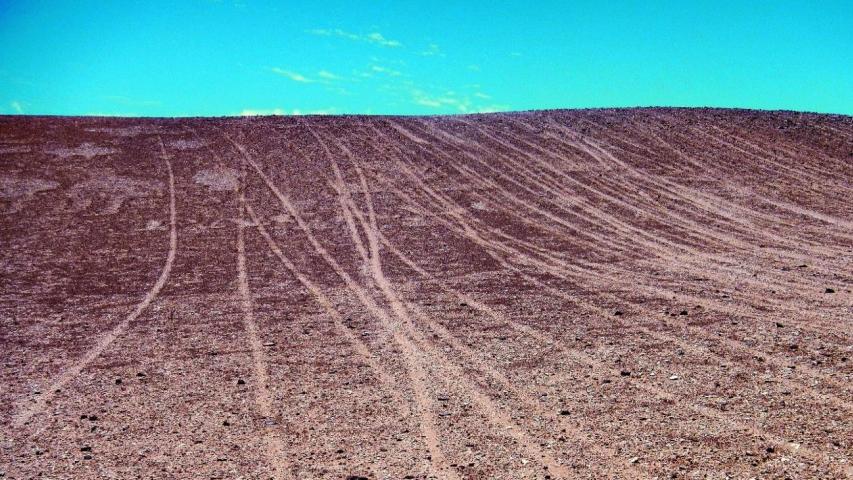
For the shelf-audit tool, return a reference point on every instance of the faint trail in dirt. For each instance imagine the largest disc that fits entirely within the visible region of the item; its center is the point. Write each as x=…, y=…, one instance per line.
x=662, y=186
x=782, y=239
x=275, y=447
x=732, y=425
x=737, y=213
x=730, y=210
x=418, y=352
x=359, y=346
x=415, y=343
x=698, y=268
x=413, y=358
x=70, y=372
x=581, y=267
x=629, y=230
x=402, y=312
x=558, y=268
x=806, y=176
x=468, y=231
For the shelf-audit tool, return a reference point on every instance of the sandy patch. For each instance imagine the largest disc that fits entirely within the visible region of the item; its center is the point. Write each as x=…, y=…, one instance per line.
x=86, y=150
x=186, y=144
x=220, y=179
x=14, y=187
x=126, y=131
x=19, y=190
x=8, y=149
x=114, y=189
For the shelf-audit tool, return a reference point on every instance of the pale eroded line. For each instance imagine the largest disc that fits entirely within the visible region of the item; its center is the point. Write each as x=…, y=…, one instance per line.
x=73, y=370
x=263, y=401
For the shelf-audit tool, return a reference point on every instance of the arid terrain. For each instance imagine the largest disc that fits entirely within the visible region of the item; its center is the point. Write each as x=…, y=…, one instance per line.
x=638, y=293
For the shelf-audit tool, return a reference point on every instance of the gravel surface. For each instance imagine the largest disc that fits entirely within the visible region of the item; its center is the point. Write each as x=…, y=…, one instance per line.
x=637, y=293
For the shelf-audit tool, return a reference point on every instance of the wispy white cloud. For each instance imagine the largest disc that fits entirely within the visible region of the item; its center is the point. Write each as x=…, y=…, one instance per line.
x=289, y=74
x=453, y=101
x=385, y=70
x=375, y=38
x=16, y=106
x=327, y=75
x=378, y=38
x=329, y=80
x=433, y=50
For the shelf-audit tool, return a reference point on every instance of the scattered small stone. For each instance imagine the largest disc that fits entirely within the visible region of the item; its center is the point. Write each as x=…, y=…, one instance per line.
x=87, y=457
x=565, y=412
x=829, y=290
x=93, y=418
x=780, y=325
x=625, y=373
x=683, y=312
x=770, y=449
x=443, y=398
x=358, y=477
x=634, y=460
x=617, y=313
x=269, y=344
x=673, y=377
x=226, y=423
x=118, y=381
x=240, y=381
x=140, y=374
x=86, y=449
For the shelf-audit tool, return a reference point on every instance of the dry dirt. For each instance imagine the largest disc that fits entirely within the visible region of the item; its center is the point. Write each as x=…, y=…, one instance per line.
x=651, y=293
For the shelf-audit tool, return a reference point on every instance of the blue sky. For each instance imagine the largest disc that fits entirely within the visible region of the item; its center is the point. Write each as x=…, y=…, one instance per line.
x=205, y=57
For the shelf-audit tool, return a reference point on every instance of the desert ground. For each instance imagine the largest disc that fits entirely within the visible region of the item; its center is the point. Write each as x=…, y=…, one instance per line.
x=637, y=293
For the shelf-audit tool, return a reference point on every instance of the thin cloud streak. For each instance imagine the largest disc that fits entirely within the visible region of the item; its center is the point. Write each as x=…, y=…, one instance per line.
x=289, y=74
x=375, y=38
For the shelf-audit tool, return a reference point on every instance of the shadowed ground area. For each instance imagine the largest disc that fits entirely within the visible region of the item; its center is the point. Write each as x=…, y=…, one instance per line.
x=644, y=293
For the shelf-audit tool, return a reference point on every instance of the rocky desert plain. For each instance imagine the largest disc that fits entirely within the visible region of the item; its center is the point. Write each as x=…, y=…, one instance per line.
x=616, y=293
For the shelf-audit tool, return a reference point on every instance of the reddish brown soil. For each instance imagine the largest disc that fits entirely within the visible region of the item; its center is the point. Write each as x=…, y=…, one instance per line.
x=654, y=293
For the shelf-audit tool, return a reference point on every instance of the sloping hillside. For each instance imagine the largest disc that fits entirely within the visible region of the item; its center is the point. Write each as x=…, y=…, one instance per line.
x=650, y=293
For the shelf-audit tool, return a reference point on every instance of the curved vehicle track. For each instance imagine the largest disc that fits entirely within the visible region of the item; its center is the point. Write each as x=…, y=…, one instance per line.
x=637, y=293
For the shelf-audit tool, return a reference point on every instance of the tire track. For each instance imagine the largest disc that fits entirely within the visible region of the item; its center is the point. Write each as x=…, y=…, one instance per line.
x=579, y=264
x=468, y=231
x=628, y=229
x=263, y=402
x=413, y=358
x=810, y=178
x=732, y=425
x=557, y=268
x=732, y=211
x=402, y=310
x=58, y=383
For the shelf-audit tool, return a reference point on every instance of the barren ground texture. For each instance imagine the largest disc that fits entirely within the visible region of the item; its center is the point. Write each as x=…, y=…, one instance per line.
x=646, y=293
